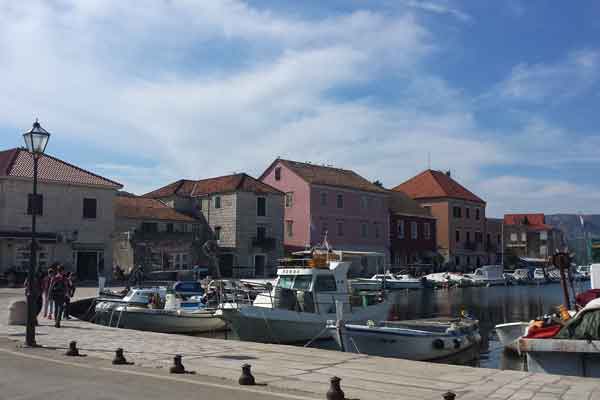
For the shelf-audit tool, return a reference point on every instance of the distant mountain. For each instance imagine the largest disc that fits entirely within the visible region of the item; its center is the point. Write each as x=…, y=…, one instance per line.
x=570, y=224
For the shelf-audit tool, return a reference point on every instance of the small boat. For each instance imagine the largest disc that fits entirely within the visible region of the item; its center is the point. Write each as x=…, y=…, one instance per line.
x=488, y=275
x=433, y=339
x=510, y=333
x=441, y=279
x=387, y=281
x=301, y=301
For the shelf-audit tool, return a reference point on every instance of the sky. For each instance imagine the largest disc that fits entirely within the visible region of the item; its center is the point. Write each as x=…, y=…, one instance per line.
x=503, y=94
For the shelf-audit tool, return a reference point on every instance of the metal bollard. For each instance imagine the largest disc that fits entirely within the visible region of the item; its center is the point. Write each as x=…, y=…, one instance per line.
x=246, y=378
x=120, y=358
x=73, y=350
x=335, y=391
x=177, y=367
x=449, y=396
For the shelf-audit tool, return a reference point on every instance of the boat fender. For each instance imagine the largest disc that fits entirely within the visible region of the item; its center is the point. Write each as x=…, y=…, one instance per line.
x=438, y=344
x=456, y=343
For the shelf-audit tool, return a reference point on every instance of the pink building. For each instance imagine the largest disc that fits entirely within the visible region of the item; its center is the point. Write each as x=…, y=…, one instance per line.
x=319, y=199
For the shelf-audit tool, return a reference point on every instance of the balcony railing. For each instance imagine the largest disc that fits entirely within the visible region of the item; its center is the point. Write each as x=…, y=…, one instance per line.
x=266, y=243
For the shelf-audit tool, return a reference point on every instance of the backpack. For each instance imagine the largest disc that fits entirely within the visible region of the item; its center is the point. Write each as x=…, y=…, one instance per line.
x=59, y=288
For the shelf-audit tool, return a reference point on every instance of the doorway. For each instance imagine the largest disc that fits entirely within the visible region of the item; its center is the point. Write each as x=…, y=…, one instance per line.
x=87, y=265
x=226, y=265
x=260, y=262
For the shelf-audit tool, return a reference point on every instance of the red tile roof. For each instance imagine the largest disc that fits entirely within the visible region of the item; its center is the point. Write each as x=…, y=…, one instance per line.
x=149, y=209
x=222, y=184
x=532, y=221
x=328, y=176
x=435, y=184
x=19, y=163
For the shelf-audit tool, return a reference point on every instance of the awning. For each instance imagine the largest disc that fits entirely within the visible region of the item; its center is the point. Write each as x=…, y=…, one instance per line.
x=21, y=235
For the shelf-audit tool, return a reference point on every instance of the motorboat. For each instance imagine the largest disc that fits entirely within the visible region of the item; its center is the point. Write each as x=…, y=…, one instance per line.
x=522, y=276
x=301, y=301
x=176, y=316
x=487, y=275
x=442, y=279
x=433, y=339
x=387, y=281
x=510, y=333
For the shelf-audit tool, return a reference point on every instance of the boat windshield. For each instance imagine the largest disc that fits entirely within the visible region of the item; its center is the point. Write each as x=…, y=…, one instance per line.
x=298, y=282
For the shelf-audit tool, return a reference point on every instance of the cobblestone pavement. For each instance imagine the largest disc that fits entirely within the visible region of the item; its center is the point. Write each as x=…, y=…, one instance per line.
x=308, y=370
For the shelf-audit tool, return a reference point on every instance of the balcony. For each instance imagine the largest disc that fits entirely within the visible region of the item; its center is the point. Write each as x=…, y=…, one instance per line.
x=265, y=243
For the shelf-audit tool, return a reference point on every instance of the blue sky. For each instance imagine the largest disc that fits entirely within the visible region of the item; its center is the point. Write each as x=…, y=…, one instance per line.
x=504, y=94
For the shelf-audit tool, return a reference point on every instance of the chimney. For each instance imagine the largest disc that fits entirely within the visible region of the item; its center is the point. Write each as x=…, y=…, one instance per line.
x=448, y=174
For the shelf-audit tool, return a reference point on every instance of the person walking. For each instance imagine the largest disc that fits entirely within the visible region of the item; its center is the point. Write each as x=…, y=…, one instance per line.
x=58, y=292
x=48, y=303
x=70, y=278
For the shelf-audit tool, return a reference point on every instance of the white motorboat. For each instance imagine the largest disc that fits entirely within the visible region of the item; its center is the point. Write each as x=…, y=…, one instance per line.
x=386, y=281
x=301, y=302
x=510, y=333
x=448, y=279
x=488, y=275
x=435, y=339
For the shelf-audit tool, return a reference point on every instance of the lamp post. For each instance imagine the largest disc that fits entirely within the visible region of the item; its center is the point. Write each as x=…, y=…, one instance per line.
x=36, y=140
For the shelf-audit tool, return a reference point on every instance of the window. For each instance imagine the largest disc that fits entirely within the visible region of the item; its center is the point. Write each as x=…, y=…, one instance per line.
x=457, y=212
x=261, y=206
x=479, y=237
x=377, y=233
x=468, y=260
x=414, y=230
x=477, y=213
x=323, y=198
x=513, y=237
x=196, y=228
x=401, y=229
x=217, y=201
x=427, y=230
x=289, y=228
x=523, y=237
x=543, y=251
x=89, y=208
x=457, y=236
x=35, y=203
x=340, y=201
x=364, y=231
x=324, y=227
x=364, y=202
x=428, y=208
x=468, y=236
x=217, y=232
x=150, y=227
x=467, y=212
x=289, y=199
x=544, y=235
x=169, y=227
x=340, y=228
x=261, y=232
x=457, y=259
x=278, y=173
x=499, y=239
x=325, y=283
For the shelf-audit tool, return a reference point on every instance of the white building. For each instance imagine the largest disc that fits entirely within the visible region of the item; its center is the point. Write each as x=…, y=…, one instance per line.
x=77, y=216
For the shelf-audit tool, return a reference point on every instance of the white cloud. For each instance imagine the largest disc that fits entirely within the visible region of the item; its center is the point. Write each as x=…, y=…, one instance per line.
x=544, y=82
x=437, y=8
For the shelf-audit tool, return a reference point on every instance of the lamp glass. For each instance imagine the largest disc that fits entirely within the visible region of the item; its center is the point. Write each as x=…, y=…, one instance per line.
x=36, y=139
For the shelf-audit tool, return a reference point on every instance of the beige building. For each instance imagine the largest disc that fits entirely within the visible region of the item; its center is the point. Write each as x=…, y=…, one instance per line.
x=76, y=220
x=150, y=233
x=460, y=214
x=244, y=214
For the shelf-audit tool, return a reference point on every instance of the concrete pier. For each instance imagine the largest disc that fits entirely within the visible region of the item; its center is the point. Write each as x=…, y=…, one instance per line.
x=303, y=371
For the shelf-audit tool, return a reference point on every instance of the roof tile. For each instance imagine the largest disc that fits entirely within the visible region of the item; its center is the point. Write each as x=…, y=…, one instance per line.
x=145, y=208
x=435, y=184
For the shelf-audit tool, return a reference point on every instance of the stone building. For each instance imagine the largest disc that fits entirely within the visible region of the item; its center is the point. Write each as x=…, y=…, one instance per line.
x=412, y=234
x=244, y=214
x=75, y=222
x=150, y=233
x=528, y=235
x=460, y=214
x=493, y=240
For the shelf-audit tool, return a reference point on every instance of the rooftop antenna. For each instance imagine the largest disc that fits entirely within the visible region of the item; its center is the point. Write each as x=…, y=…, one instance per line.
x=428, y=160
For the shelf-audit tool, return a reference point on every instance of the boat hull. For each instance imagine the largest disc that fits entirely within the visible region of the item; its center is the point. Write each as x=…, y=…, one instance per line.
x=368, y=284
x=166, y=321
x=460, y=348
x=562, y=356
x=510, y=333
x=273, y=325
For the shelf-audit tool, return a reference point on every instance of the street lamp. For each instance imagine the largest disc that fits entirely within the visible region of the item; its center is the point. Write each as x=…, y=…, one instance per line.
x=36, y=140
